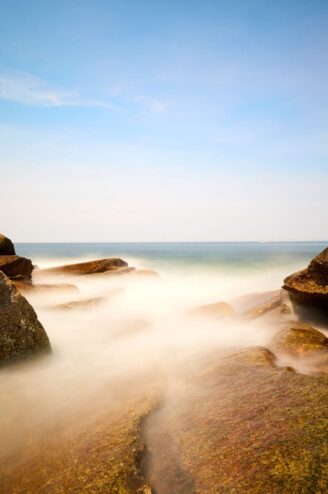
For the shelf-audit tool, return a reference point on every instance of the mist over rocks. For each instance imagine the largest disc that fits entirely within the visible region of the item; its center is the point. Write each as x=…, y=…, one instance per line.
x=6, y=246
x=85, y=268
x=21, y=333
x=310, y=286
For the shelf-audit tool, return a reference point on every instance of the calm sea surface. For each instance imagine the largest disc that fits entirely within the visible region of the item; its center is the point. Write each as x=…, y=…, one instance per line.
x=240, y=255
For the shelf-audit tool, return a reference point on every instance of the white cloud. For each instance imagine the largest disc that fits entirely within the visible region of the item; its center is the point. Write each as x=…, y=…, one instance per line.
x=27, y=89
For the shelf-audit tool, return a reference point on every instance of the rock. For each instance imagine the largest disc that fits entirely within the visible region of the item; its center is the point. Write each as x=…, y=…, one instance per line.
x=21, y=333
x=16, y=267
x=310, y=286
x=263, y=309
x=81, y=304
x=243, y=427
x=299, y=340
x=24, y=287
x=217, y=310
x=85, y=268
x=6, y=246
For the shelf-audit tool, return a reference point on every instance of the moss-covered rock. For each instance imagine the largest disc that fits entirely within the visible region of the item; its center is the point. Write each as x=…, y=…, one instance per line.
x=300, y=339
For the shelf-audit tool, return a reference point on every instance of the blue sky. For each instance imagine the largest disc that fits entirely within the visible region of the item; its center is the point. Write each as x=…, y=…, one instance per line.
x=176, y=120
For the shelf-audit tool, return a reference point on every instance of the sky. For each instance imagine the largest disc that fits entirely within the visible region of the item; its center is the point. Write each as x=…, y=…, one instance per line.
x=163, y=121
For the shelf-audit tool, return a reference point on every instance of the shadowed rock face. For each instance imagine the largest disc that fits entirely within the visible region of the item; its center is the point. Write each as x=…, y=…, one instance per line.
x=310, y=286
x=84, y=268
x=21, y=333
x=6, y=246
x=16, y=267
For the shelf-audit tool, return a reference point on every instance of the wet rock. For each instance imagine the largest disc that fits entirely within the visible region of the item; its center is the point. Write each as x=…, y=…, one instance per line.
x=310, y=286
x=6, y=246
x=217, y=310
x=299, y=340
x=81, y=304
x=16, y=267
x=243, y=427
x=85, y=268
x=21, y=333
x=28, y=287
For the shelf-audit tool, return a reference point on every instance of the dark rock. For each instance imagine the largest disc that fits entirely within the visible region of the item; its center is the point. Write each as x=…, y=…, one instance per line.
x=310, y=286
x=6, y=246
x=16, y=267
x=85, y=268
x=21, y=333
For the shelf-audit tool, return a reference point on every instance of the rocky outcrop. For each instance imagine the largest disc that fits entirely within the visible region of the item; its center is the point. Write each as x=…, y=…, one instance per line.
x=16, y=267
x=21, y=333
x=85, y=268
x=300, y=340
x=6, y=246
x=310, y=286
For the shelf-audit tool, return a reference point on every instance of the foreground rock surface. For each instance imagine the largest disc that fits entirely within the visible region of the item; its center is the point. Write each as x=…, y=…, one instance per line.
x=16, y=267
x=243, y=427
x=6, y=246
x=310, y=286
x=85, y=268
x=21, y=333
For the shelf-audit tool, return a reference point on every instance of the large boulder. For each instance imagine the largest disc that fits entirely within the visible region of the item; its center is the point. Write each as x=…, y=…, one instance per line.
x=16, y=267
x=21, y=333
x=310, y=286
x=6, y=246
x=83, y=268
x=300, y=340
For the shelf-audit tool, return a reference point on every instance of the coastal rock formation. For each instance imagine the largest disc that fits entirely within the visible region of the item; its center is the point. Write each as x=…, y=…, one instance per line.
x=16, y=267
x=299, y=340
x=310, y=286
x=246, y=427
x=21, y=333
x=217, y=310
x=28, y=287
x=85, y=268
x=6, y=246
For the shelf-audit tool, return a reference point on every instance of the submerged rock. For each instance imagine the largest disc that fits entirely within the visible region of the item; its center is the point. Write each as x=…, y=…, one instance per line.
x=310, y=286
x=21, y=333
x=28, y=287
x=81, y=304
x=6, y=246
x=85, y=268
x=16, y=267
x=217, y=310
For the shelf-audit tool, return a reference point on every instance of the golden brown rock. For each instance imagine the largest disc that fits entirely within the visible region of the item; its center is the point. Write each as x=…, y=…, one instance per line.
x=310, y=286
x=85, y=268
x=16, y=267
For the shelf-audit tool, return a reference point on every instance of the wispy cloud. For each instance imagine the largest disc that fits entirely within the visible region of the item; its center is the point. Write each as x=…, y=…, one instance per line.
x=27, y=89
x=152, y=104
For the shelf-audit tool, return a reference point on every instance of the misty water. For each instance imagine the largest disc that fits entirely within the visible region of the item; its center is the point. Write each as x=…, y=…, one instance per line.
x=140, y=332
